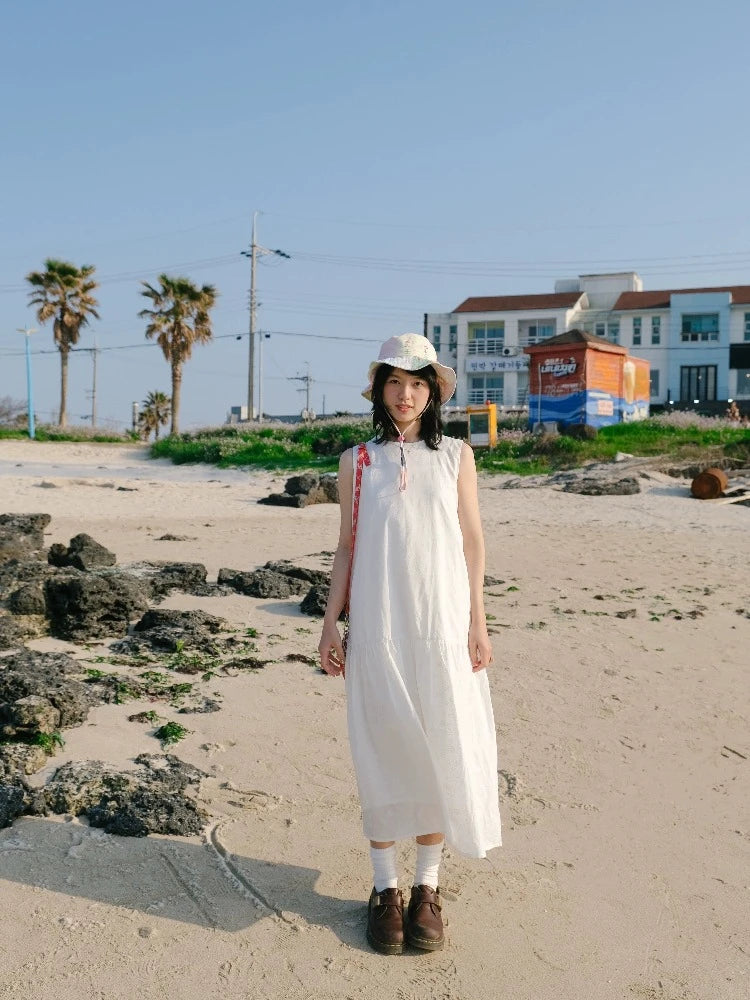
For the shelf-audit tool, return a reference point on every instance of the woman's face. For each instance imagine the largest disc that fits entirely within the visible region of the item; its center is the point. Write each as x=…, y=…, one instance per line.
x=405, y=395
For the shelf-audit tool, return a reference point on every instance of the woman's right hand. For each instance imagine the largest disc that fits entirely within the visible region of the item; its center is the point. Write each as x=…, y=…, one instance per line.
x=331, y=650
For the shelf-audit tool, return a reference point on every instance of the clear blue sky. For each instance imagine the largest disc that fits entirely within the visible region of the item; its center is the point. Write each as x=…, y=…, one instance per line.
x=542, y=138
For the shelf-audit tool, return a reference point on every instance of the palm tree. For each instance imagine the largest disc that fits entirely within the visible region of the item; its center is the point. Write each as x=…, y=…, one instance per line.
x=179, y=319
x=155, y=411
x=64, y=291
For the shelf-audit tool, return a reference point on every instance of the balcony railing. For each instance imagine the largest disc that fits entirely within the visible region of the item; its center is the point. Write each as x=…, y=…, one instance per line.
x=494, y=345
x=479, y=396
x=525, y=341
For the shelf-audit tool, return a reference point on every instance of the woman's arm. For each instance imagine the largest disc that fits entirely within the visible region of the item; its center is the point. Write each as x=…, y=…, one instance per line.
x=480, y=649
x=330, y=648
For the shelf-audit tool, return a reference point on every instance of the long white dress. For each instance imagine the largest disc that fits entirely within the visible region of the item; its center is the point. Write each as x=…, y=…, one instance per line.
x=421, y=727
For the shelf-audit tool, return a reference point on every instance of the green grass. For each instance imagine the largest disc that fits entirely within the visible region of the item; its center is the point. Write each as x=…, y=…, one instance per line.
x=45, y=432
x=170, y=733
x=318, y=446
x=290, y=447
x=526, y=454
x=49, y=742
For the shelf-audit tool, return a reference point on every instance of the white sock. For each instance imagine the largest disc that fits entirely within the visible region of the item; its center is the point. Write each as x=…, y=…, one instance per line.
x=428, y=864
x=385, y=875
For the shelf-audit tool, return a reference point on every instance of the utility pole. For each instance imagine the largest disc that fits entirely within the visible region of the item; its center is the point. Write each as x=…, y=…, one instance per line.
x=253, y=253
x=308, y=380
x=95, y=353
x=27, y=331
x=261, y=337
x=251, y=359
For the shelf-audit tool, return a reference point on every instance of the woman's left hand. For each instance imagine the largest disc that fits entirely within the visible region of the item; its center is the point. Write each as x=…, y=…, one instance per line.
x=480, y=648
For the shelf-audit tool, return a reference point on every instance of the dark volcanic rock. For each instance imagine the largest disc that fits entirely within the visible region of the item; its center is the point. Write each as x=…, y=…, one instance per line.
x=22, y=535
x=57, y=554
x=170, y=631
x=187, y=577
x=153, y=799
x=51, y=676
x=11, y=803
x=285, y=500
x=329, y=486
x=15, y=573
x=19, y=759
x=202, y=706
x=26, y=717
x=591, y=487
x=260, y=583
x=306, y=489
x=163, y=577
x=10, y=633
x=94, y=605
x=298, y=572
x=27, y=600
x=83, y=553
x=315, y=600
x=297, y=485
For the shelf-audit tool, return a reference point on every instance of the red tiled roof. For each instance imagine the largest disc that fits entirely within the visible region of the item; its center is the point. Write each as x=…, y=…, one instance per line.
x=576, y=337
x=512, y=303
x=661, y=300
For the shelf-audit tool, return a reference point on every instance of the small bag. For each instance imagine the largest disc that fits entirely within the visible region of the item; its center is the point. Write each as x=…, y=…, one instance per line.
x=363, y=459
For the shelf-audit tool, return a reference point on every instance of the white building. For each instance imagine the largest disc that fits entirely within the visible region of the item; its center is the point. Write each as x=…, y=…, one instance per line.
x=697, y=340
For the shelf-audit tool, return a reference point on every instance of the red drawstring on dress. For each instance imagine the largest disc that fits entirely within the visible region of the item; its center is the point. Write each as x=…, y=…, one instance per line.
x=402, y=477
x=400, y=439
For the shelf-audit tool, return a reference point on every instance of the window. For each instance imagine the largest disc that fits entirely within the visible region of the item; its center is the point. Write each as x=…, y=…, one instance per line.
x=486, y=389
x=453, y=339
x=522, y=391
x=436, y=338
x=656, y=329
x=697, y=382
x=486, y=338
x=600, y=329
x=532, y=333
x=747, y=326
x=743, y=383
x=699, y=327
x=613, y=331
x=653, y=380
x=636, y=331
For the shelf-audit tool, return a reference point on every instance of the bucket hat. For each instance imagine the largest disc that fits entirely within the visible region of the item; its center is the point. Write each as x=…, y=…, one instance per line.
x=410, y=352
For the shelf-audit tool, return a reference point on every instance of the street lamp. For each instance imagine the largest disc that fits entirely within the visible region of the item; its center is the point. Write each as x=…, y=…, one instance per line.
x=253, y=253
x=27, y=331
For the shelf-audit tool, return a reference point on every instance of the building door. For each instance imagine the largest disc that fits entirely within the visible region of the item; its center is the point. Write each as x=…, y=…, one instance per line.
x=697, y=383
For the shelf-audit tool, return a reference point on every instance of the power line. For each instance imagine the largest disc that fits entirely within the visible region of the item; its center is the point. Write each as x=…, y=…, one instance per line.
x=220, y=336
x=504, y=267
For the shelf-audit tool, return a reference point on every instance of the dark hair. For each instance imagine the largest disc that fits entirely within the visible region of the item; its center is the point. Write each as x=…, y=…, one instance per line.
x=431, y=424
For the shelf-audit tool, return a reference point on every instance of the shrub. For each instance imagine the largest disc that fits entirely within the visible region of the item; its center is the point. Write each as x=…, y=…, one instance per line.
x=580, y=432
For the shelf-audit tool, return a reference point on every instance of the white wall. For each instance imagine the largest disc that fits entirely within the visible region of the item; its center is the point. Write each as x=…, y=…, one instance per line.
x=737, y=324
x=604, y=290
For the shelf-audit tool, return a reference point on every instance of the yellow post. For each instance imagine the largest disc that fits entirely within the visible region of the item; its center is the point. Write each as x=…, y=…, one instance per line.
x=482, y=422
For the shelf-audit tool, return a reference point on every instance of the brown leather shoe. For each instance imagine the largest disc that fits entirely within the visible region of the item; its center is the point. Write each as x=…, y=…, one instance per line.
x=424, y=924
x=385, y=921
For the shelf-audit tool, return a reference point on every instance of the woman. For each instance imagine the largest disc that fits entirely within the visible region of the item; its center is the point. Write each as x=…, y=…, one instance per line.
x=420, y=720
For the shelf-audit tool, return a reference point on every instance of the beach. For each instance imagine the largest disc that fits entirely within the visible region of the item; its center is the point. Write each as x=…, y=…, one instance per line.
x=620, y=627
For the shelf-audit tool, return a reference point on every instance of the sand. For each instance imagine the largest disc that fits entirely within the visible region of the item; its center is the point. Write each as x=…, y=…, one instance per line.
x=623, y=753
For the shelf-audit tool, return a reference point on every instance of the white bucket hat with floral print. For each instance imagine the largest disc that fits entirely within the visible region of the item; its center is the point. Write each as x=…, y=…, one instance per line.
x=410, y=352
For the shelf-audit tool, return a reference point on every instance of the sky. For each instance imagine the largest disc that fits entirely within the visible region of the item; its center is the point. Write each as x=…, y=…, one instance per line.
x=406, y=155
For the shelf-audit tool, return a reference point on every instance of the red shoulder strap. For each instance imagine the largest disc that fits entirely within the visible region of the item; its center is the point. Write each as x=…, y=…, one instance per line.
x=363, y=459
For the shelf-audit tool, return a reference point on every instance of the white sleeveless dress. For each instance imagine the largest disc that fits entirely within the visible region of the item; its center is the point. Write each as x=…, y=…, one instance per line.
x=421, y=727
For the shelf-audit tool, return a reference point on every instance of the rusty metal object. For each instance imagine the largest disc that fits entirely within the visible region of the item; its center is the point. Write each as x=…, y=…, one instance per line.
x=709, y=484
